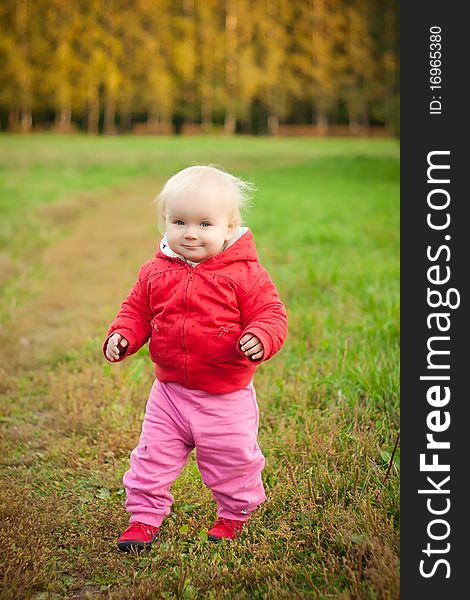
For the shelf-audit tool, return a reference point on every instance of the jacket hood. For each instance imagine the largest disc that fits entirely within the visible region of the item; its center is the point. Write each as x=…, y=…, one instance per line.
x=240, y=248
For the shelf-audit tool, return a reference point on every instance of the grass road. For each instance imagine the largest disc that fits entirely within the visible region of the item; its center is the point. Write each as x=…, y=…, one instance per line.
x=76, y=221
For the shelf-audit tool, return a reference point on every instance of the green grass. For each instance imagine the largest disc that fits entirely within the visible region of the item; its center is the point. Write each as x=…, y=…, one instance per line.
x=326, y=223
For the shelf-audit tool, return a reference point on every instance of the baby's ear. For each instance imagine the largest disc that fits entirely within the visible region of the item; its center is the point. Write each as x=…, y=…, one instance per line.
x=230, y=230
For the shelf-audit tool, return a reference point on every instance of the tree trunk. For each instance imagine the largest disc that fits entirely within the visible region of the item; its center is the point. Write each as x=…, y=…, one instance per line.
x=230, y=67
x=273, y=124
x=247, y=118
x=126, y=120
x=353, y=123
x=229, y=123
x=188, y=85
x=22, y=17
x=365, y=116
x=153, y=122
x=166, y=125
x=26, y=120
x=321, y=120
x=110, y=115
x=63, y=119
x=14, y=119
x=206, y=110
x=93, y=111
x=205, y=48
x=126, y=109
x=273, y=92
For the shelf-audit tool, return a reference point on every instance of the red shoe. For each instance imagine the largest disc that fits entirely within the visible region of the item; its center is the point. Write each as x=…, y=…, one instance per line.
x=138, y=536
x=225, y=528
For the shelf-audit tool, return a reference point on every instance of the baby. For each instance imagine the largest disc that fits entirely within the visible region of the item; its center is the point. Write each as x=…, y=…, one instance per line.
x=212, y=314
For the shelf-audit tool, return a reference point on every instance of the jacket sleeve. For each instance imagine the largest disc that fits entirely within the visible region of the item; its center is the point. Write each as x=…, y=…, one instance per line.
x=263, y=315
x=134, y=317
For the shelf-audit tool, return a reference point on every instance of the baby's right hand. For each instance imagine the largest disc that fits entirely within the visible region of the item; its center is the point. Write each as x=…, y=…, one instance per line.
x=117, y=344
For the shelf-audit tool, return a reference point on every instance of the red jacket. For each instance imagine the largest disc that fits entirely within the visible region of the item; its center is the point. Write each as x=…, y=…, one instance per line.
x=196, y=316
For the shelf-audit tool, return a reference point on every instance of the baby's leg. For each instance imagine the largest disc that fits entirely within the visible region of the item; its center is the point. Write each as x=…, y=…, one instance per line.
x=230, y=460
x=164, y=445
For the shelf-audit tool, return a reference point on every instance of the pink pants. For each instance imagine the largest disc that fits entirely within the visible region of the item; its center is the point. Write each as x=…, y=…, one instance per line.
x=222, y=428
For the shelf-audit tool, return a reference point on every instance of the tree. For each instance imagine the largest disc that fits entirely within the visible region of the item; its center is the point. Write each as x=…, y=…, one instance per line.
x=209, y=44
x=16, y=47
x=361, y=65
x=60, y=63
x=326, y=25
x=231, y=65
x=274, y=61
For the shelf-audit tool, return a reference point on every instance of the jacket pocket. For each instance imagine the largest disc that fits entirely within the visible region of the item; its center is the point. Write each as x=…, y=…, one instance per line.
x=159, y=339
x=221, y=345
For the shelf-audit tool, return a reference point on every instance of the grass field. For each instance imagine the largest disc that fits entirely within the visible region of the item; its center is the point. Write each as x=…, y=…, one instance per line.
x=76, y=222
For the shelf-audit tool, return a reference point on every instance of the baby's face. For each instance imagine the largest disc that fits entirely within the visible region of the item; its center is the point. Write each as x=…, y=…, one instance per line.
x=198, y=230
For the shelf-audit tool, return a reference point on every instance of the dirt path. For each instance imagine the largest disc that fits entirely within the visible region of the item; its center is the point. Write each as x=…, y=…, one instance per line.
x=51, y=466
x=87, y=273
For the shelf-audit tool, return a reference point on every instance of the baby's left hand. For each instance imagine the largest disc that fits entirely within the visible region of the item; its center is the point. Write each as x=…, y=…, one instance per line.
x=251, y=346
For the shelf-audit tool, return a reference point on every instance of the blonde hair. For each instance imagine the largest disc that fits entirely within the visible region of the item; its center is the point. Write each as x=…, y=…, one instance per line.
x=206, y=179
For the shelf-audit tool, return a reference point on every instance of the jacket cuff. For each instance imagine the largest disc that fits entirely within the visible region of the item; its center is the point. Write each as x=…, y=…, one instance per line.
x=265, y=340
x=131, y=348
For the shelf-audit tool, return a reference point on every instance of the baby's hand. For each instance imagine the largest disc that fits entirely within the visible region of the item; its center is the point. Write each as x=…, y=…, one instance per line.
x=116, y=346
x=251, y=346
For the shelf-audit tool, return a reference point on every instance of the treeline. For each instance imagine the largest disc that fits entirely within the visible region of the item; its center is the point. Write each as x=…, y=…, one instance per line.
x=237, y=65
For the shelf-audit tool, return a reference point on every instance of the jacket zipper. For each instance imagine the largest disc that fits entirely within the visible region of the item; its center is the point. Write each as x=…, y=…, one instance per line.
x=188, y=280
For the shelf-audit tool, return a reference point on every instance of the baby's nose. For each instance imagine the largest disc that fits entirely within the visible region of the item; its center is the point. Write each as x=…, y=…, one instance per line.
x=190, y=234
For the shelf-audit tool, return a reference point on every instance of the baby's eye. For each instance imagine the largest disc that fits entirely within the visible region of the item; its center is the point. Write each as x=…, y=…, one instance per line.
x=178, y=222
x=205, y=224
